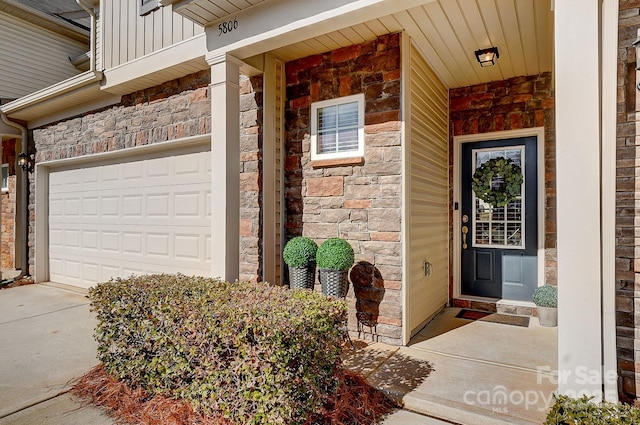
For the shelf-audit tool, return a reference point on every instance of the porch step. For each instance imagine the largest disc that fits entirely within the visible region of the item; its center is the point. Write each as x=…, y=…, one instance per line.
x=406, y=417
x=466, y=391
x=459, y=414
x=496, y=306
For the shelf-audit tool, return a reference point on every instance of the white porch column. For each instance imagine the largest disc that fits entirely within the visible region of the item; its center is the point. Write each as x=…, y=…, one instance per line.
x=225, y=166
x=578, y=196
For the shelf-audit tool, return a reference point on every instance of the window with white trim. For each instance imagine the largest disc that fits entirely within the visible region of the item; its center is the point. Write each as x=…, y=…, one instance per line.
x=147, y=6
x=337, y=128
x=5, y=177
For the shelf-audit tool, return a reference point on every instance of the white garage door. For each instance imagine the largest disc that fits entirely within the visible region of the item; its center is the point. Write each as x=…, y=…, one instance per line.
x=114, y=219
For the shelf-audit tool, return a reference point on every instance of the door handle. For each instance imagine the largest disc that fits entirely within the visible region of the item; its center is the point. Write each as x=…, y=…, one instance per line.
x=465, y=230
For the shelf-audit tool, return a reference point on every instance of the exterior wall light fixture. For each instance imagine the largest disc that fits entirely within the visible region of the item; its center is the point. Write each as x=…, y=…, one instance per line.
x=487, y=57
x=25, y=162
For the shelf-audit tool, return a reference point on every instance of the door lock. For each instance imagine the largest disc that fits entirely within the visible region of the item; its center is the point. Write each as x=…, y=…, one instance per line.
x=465, y=230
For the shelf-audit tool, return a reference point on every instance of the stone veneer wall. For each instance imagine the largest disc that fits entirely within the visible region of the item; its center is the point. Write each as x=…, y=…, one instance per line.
x=627, y=197
x=7, y=227
x=361, y=203
x=172, y=110
x=516, y=103
x=251, y=178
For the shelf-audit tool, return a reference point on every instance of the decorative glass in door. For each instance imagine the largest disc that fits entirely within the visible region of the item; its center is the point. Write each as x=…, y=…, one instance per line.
x=499, y=227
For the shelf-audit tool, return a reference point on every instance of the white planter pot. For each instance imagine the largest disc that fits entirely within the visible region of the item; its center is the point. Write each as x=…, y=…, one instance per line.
x=548, y=316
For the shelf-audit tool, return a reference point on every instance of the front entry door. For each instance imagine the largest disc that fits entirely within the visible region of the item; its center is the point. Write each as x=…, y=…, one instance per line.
x=499, y=244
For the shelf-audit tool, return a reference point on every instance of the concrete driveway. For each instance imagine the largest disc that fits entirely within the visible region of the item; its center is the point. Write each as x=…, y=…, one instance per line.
x=46, y=341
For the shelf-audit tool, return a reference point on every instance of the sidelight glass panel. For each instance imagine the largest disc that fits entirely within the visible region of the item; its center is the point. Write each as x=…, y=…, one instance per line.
x=499, y=227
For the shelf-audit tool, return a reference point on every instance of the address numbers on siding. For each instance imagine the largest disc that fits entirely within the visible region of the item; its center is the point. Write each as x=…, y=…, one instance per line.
x=227, y=26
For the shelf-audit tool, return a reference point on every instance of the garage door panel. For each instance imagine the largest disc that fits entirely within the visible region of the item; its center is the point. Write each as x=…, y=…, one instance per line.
x=187, y=242
x=181, y=202
x=158, y=245
x=90, y=175
x=109, y=242
x=89, y=207
x=108, y=271
x=56, y=238
x=189, y=247
x=90, y=240
x=188, y=204
x=71, y=207
x=145, y=216
x=109, y=206
x=71, y=238
x=132, y=172
x=82, y=271
x=132, y=206
x=132, y=243
x=90, y=272
x=147, y=182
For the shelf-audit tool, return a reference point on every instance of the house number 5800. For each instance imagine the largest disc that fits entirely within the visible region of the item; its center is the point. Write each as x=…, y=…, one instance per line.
x=227, y=27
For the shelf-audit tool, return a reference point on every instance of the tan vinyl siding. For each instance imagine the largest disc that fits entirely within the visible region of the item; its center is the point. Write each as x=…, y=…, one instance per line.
x=279, y=172
x=99, y=41
x=32, y=57
x=129, y=36
x=429, y=192
x=273, y=170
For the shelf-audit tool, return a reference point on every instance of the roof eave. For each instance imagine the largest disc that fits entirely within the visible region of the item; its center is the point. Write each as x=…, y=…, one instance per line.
x=44, y=20
x=63, y=87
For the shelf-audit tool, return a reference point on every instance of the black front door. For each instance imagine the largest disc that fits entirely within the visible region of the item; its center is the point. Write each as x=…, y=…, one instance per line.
x=500, y=243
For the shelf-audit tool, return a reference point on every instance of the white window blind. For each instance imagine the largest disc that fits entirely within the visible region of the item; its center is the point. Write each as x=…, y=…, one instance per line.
x=338, y=129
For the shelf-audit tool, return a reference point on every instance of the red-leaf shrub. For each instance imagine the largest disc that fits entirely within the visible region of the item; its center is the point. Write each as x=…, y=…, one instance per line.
x=253, y=354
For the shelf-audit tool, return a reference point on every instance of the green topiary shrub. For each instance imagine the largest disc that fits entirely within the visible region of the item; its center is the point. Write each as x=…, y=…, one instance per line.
x=300, y=252
x=254, y=354
x=546, y=296
x=569, y=411
x=335, y=254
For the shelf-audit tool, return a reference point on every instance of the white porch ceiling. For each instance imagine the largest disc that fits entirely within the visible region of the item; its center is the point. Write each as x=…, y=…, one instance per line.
x=448, y=32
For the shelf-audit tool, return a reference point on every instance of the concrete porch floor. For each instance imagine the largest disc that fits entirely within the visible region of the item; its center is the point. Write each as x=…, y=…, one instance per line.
x=467, y=372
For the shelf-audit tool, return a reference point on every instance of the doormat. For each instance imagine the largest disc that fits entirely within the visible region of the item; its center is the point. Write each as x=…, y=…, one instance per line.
x=472, y=314
x=485, y=316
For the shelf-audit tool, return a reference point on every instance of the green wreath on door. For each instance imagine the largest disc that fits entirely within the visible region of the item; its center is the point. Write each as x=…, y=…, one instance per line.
x=508, y=190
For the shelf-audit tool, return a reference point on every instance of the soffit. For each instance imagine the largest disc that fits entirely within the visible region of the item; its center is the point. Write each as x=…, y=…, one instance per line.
x=204, y=12
x=448, y=32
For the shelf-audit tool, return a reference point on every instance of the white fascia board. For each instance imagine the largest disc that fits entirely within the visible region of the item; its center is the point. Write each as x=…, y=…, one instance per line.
x=277, y=23
x=50, y=92
x=176, y=54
